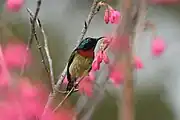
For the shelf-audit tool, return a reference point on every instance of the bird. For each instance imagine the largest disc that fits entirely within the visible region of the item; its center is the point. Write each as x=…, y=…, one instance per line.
x=80, y=60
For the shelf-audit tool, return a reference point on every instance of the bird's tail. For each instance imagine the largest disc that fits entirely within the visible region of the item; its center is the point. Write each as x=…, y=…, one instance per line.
x=70, y=84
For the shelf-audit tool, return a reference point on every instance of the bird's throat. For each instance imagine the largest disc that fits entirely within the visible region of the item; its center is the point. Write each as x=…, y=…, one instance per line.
x=89, y=53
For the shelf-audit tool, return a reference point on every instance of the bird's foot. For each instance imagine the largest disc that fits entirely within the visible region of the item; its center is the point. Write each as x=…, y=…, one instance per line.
x=65, y=92
x=62, y=92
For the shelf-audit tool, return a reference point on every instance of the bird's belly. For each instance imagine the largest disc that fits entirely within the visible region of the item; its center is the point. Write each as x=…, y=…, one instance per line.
x=80, y=66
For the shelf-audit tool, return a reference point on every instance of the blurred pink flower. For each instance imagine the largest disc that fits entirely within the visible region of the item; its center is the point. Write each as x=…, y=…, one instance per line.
x=86, y=86
x=105, y=58
x=138, y=63
x=115, y=45
x=14, y=5
x=91, y=75
x=95, y=65
x=111, y=15
x=107, y=15
x=158, y=46
x=116, y=77
x=8, y=111
x=26, y=101
x=116, y=74
x=14, y=55
x=115, y=17
x=3, y=79
x=99, y=56
x=30, y=98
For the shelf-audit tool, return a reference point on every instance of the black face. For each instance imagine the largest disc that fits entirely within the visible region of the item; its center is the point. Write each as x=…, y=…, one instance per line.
x=89, y=43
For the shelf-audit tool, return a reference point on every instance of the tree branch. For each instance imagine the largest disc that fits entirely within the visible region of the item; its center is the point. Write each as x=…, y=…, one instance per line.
x=39, y=46
x=46, y=50
x=125, y=31
x=30, y=40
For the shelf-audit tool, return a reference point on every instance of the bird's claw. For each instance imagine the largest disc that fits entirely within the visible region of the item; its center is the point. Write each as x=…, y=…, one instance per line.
x=65, y=92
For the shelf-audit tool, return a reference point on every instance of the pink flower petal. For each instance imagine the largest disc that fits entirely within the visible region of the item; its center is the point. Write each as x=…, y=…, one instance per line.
x=14, y=55
x=138, y=63
x=99, y=56
x=26, y=88
x=158, y=46
x=91, y=75
x=116, y=77
x=14, y=5
x=116, y=73
x=115, y=17
x=86, y=86
x=107, y=16
x=105, y=58
x=95, y=65
x=3, y=79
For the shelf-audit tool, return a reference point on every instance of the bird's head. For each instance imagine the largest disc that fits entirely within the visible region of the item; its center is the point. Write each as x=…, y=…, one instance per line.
x=89, y=43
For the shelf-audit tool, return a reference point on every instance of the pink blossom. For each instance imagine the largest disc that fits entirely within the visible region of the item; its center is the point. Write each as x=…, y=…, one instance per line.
x=25, y=101
x=158, y=46
x=95, y=65
x=115, y=17
x=99, y=56
x=30, y=98
x=112, y=16
x=4, y=73
x=116, y=77
x=116, y=74
x=86, y=86
x=105, y=58
x=138, y=63
x=7, y=111
x=3, y=78
x=14, y=5
x=107, y=15
x=115, y=45
x=91, y=75
x=14, y=55
x=26, y=88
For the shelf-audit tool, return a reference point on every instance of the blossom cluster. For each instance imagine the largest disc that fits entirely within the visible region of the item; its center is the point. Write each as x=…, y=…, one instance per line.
x=24, y=99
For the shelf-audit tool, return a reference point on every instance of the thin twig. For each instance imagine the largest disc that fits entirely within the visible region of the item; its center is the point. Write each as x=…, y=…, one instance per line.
x=39, y=46
x=92, y=13
x=30, y=40
x=46, y=50
x=48, y=57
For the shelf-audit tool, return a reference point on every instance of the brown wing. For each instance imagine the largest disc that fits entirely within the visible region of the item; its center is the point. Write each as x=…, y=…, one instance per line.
x=80, y=66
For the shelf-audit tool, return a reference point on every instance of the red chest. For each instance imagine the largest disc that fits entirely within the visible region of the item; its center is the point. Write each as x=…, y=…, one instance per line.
x=89, y=53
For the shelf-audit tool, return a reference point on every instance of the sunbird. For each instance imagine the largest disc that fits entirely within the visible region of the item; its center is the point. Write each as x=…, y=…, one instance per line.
x=80, y=60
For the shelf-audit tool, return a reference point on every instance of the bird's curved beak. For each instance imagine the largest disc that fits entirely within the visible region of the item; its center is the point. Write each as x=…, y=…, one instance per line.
x=99, y=38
